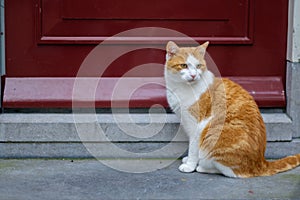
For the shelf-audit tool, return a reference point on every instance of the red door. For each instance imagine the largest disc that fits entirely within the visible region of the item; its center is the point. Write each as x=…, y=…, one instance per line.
x=48, y=40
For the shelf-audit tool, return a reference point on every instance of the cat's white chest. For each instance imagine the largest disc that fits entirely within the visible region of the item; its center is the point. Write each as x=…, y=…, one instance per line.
x=181, y=98
x=181, y=95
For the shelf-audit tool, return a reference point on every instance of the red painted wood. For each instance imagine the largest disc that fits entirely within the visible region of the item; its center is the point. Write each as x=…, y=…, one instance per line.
x=51, y=38
x=115, y=92
x=155, y=9
x=140, y=40
x=71, y=21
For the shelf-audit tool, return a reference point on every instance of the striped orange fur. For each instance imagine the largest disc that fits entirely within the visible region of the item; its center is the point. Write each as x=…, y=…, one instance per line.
x=233, y=142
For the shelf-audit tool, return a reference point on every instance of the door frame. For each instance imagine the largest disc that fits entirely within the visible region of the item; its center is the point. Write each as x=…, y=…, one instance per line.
x=293, y=67
x=2, y=48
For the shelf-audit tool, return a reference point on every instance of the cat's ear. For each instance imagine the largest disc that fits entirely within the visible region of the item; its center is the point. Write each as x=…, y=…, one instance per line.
x=171, y=49
x=202, y=48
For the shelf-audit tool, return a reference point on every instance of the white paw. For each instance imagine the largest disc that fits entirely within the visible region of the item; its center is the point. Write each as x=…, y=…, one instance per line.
x=200, y=169
x=186, y=168
x=185, y=159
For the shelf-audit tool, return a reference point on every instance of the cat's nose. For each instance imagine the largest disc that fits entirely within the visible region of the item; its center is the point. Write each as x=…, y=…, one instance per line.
x=193, y=76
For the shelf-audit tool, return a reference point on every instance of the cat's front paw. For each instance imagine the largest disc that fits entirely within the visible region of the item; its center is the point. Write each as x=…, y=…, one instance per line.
x=185, y=159
x=186, y=168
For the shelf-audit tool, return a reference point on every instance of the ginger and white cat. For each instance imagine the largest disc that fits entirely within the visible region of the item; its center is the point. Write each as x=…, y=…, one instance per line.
x=226, y=132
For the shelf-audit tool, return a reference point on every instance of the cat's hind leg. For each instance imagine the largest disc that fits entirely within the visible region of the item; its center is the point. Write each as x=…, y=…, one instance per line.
x=226, y=171
x=207, y=166
x=207, y=171
x=211, y=166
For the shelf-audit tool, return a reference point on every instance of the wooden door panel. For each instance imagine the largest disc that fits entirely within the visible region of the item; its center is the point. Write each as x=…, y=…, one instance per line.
x=72, y=21
x=49, y=39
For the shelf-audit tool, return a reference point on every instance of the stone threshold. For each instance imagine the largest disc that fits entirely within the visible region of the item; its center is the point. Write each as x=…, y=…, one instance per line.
x=143, y=135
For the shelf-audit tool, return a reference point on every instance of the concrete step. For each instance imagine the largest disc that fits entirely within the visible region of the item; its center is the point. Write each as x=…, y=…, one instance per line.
x=114, y=135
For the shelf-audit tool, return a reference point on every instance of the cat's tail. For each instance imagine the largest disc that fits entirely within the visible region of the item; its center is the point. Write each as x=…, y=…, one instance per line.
x=281, y=165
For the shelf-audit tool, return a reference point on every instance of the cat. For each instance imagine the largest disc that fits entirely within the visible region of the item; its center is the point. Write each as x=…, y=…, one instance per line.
x=226, y=131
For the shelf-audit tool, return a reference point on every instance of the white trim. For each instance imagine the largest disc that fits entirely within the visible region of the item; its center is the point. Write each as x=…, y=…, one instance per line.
x=293, y=44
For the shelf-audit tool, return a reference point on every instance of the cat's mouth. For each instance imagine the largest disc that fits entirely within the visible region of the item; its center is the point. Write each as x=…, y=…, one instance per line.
x=191, y=81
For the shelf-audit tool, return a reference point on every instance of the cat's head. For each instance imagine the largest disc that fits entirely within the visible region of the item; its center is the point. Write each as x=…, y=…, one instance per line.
x=186, y=64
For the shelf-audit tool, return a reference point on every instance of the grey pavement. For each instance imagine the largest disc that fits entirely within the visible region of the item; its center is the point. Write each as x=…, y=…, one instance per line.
x=90, y=179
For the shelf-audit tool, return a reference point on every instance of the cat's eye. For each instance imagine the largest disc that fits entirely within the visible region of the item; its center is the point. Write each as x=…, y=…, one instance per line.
x=199, y=65
x=183, y=65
